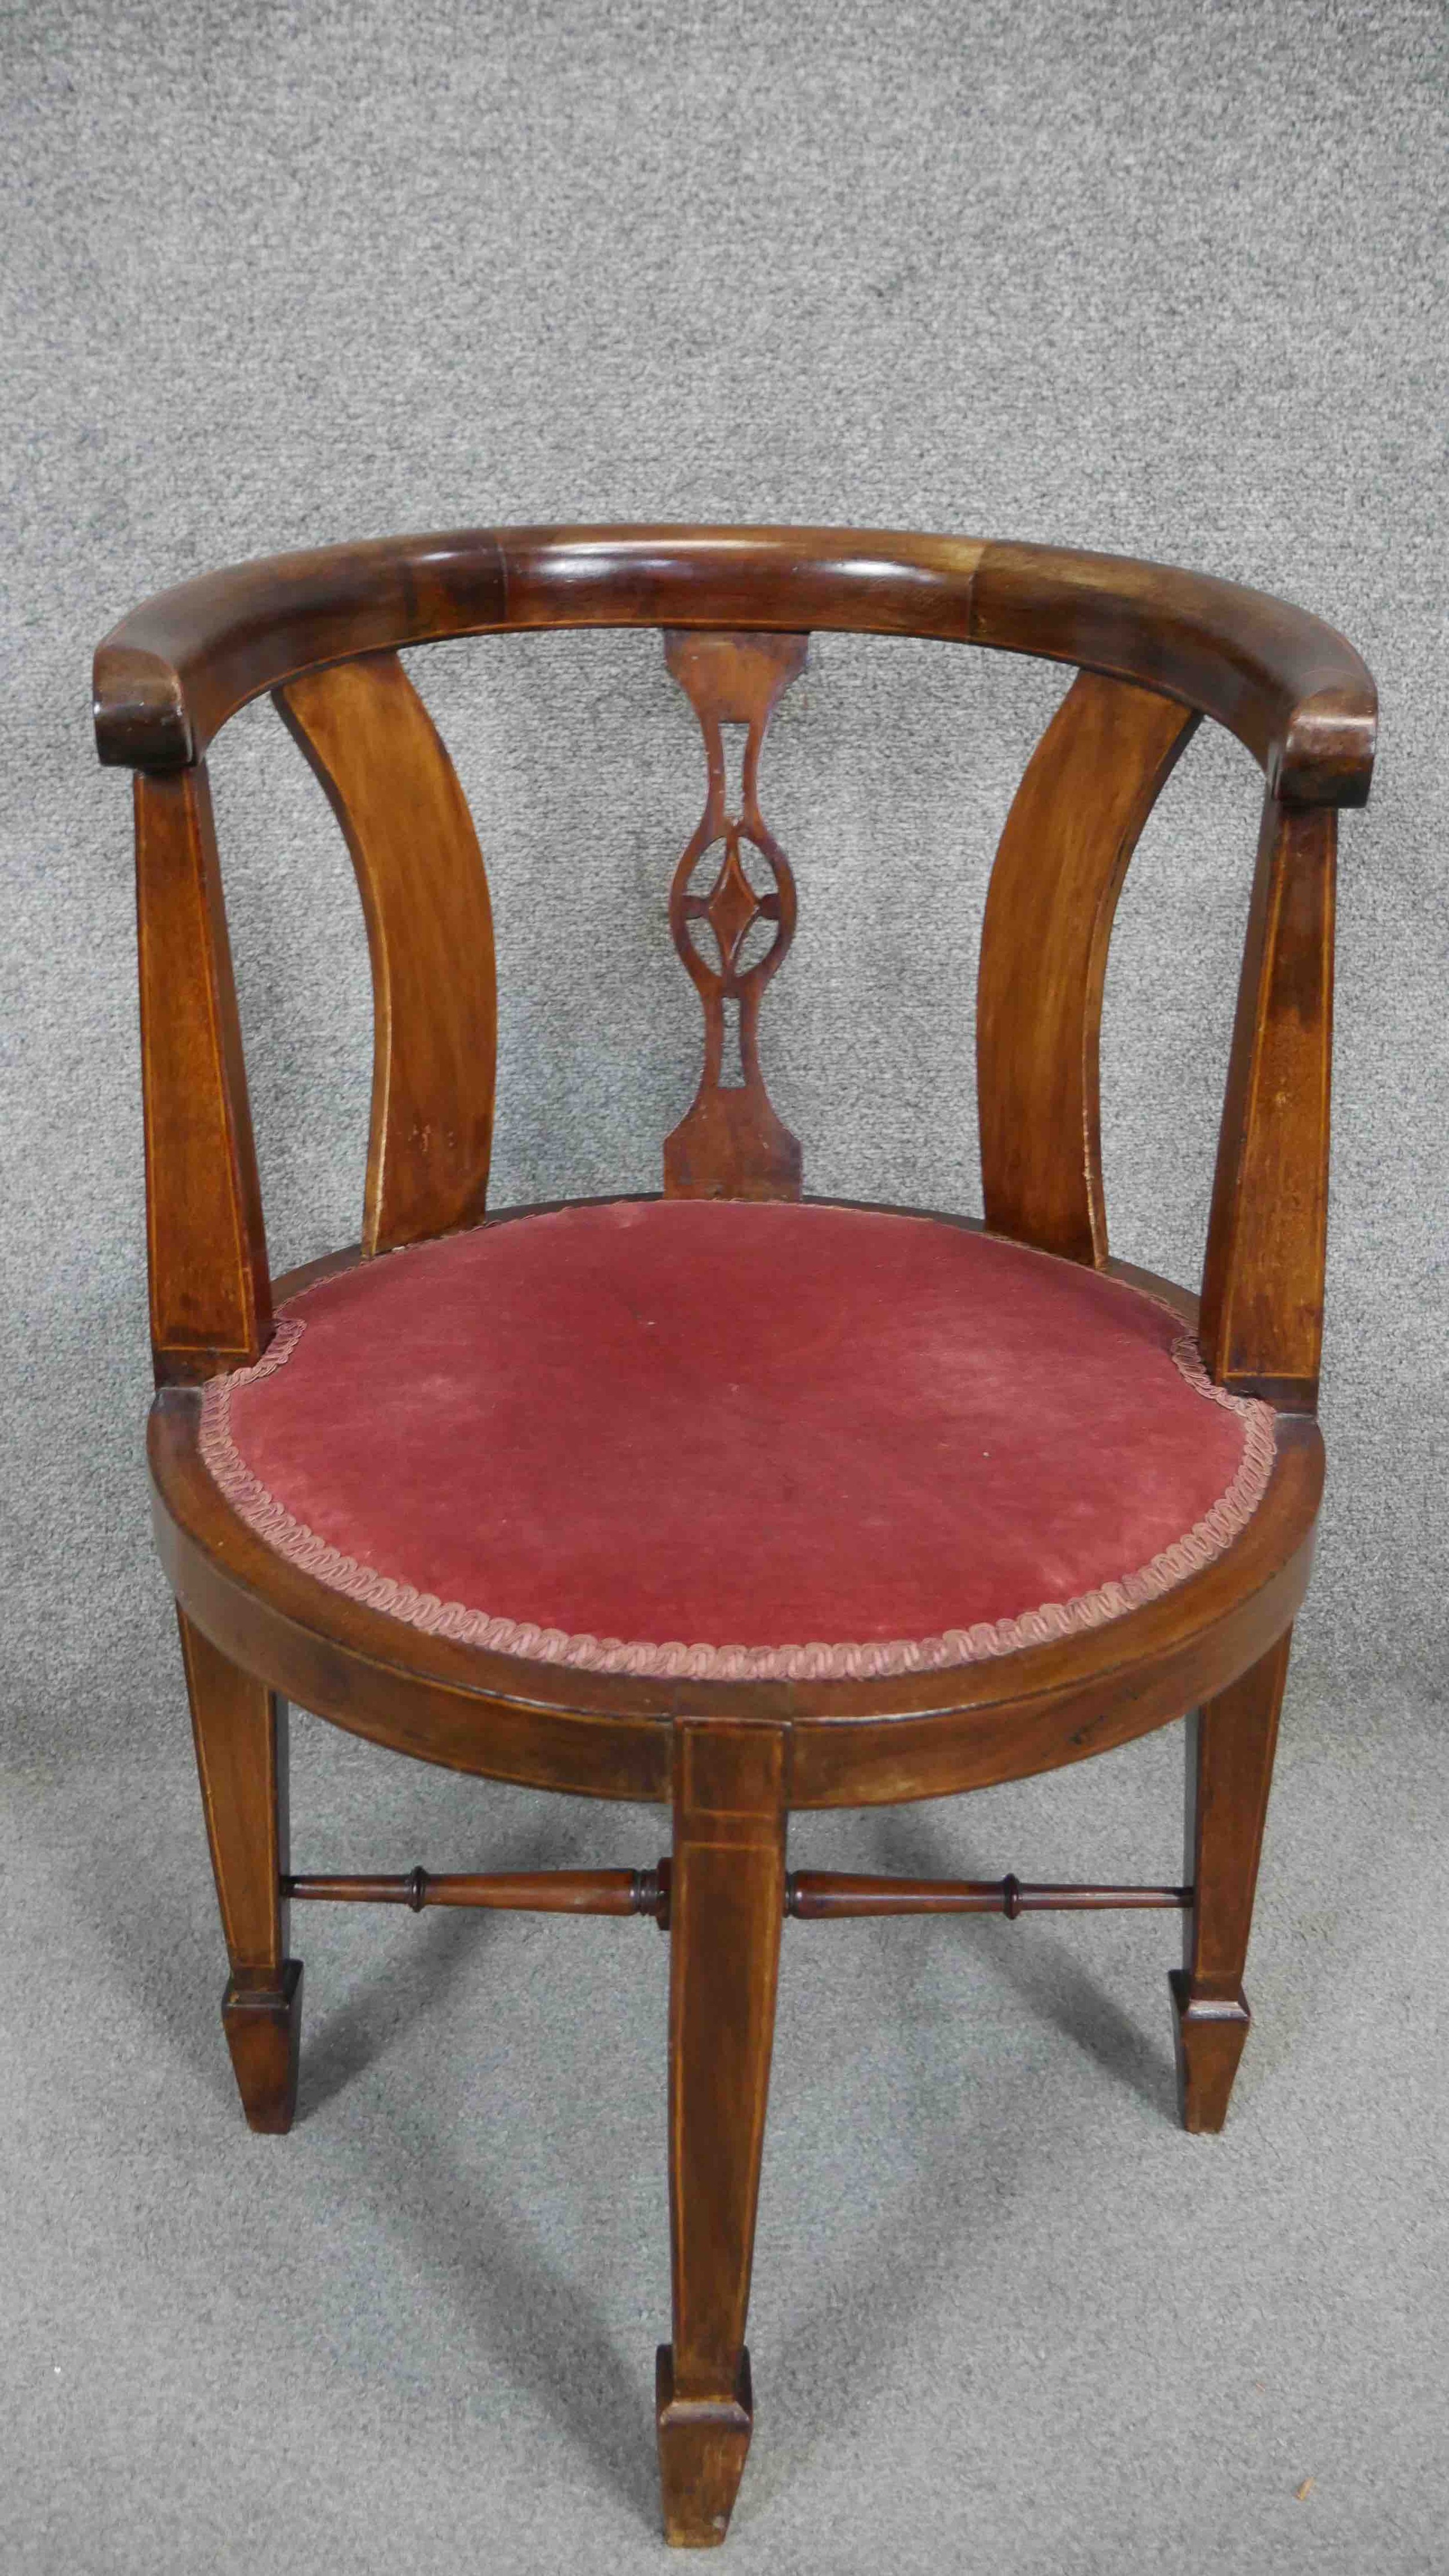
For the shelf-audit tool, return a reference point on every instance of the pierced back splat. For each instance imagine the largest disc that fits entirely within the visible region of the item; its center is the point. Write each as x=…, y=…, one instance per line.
x=731, y=1145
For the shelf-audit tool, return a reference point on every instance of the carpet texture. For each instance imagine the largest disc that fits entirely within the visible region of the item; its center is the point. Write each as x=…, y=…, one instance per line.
x=1161, y=279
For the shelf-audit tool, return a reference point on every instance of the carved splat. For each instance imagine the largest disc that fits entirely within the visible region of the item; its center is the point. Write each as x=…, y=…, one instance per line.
x=731, y=1145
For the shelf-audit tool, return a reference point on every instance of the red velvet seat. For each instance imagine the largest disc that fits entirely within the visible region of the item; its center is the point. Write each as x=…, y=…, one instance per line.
x=735, y=1440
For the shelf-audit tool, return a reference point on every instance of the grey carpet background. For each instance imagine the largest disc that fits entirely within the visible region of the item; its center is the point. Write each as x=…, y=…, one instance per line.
x=1163, y=278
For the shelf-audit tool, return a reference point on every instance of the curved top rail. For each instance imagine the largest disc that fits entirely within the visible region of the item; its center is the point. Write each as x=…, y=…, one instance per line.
x=1291, y=688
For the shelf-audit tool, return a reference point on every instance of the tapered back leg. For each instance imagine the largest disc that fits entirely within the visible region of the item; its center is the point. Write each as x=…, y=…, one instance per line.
x=240, y=1729
x=1231, y=1743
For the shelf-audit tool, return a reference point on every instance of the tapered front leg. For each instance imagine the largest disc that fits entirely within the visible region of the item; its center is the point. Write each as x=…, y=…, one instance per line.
x=726, y=1905
x=1231, y=1743
x=241, y=1756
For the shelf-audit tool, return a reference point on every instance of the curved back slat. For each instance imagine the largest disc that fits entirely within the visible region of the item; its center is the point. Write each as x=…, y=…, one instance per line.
x=211, y=1299
x=1074, y=823
x=1287, y=685
x=1262, y=1296
x=388, y=778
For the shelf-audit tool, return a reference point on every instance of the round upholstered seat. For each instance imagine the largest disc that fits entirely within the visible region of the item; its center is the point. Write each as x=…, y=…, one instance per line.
x=736, y=1440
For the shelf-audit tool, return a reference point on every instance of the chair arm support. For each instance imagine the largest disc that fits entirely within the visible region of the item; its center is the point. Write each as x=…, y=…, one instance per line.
x=1262, y=1296
x=211, y=1303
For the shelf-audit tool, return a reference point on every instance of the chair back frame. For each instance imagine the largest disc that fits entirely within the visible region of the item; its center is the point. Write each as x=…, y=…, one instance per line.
x=1156, y=650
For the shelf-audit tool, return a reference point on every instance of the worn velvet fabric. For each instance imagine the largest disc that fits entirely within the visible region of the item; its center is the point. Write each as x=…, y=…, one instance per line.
x=732, y=1427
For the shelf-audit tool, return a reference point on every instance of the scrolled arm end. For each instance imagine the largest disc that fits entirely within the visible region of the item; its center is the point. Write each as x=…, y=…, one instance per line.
x=140, y=711
x=1326, y=755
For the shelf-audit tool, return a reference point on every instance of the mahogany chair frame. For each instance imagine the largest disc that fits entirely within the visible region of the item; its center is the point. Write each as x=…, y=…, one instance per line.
x=1154, y=651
